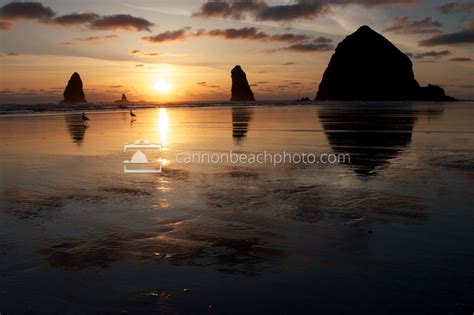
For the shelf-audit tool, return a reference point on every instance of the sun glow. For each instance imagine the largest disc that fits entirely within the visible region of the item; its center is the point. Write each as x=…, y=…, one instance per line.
x=162, y=86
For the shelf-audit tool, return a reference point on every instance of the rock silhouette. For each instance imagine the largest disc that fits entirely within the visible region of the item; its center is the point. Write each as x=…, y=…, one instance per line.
x=304, y=99
x=123, y=100
x=74, y=92
x=241, y=90
x=366, y=66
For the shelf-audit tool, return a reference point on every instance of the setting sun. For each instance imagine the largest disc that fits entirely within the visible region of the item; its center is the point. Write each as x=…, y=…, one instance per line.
x=162, y=86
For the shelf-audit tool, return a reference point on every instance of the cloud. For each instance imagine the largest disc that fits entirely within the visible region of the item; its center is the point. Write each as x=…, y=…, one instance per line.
x=465, y=36
x=307, y=47
x=432, y=54
x=25, y=11
x=96, y=38
x=456, y=7
x=90, y=39
x=319, y=44
x=237, y=9
x=300, y=9
x=138, y=52
x=245, y=33
x=461, y=59
x=10, y=53
x=307, y=9
x=168, y=36
x=73, y=19
x=5, y=26
x=121, y=22
x=234, y=8
x=290, y=38
x=253, y=33
x=37, y=11
x=138, y=66
x=403, y=25
x=204, y=84
x=289, y=63
x=250, y=33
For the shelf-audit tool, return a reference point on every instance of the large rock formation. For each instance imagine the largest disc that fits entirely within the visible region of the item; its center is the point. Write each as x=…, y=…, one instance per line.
x=74, y=92
x=366, y=66
x=240, y=87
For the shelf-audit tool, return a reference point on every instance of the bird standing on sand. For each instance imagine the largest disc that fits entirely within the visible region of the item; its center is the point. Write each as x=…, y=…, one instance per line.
x=132, y=114
x=85, y=119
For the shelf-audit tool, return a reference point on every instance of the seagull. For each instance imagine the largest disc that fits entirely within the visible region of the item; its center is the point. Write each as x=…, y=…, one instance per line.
x=132, y=114
x=85, y=119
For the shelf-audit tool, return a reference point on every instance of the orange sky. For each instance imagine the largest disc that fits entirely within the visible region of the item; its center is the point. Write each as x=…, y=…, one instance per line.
x=191, y=46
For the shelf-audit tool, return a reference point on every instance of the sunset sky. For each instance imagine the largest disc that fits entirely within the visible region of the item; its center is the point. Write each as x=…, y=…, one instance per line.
x=183, y=50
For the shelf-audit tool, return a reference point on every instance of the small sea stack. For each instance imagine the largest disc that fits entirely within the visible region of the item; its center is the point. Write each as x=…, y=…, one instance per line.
x=123, y=100
x=241, y=91
x=74, y=92
x=368, y=67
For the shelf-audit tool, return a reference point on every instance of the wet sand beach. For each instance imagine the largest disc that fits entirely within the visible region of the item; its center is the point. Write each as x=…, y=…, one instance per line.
x=391, y=232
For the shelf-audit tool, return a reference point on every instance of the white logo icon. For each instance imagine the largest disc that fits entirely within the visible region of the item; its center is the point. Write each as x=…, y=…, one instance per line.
x=139, y=164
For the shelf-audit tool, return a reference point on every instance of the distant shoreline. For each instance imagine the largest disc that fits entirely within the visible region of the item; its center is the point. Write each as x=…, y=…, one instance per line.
x=53, y=108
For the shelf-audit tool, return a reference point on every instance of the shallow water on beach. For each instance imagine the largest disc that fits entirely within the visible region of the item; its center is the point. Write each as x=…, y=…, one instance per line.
x=389, y=232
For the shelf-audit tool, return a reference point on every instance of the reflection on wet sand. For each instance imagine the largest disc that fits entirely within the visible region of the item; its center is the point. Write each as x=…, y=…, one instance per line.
x=289, y=232
x=312, y=203
x=169, y=242
x=241, y=117
x=76, y=127
x=22, y=205
x=372, y=136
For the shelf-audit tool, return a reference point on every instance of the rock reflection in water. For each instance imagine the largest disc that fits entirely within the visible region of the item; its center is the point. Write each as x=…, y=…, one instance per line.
x=372, y=136
x=76, y=127
x=241, y=117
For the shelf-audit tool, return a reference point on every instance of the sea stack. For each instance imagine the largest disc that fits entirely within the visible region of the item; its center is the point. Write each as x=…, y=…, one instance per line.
x=123, y=100
x=241, y=90
x=74, y=92
x=368, y=67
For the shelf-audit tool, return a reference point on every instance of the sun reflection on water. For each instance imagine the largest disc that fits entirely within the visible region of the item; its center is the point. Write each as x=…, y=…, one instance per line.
x=163, y=125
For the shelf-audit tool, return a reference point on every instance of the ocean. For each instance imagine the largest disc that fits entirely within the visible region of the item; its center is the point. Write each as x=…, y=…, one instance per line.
x=386, y=226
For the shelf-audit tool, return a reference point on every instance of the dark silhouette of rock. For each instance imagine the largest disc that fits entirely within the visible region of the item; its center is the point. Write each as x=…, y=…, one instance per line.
x=433, y=93
x=366, y=66
x=123, y=100
x=304, y=99
x=74, y=92
x=241, y=90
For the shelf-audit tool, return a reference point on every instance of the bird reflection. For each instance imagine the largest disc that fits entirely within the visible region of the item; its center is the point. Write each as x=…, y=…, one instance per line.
x=76, y=127
x=372, y=136
x=240, y=122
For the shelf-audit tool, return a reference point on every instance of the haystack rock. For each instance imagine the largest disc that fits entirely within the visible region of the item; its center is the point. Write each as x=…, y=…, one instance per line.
x=74, y=92
x=241, y=90
x=123, y=100
x=366, y=66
